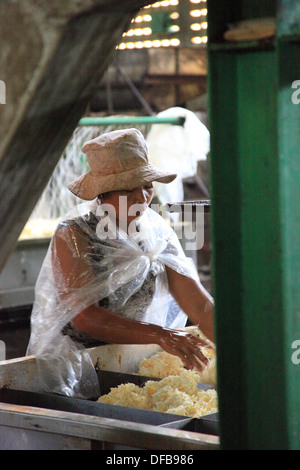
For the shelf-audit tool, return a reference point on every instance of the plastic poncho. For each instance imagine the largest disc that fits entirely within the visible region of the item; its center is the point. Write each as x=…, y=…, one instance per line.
x=106, y=265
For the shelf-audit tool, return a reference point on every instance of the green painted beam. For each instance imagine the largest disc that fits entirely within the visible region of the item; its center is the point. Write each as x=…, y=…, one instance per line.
x=289, y=164
x=130, y=120
x=288, y=46
x=255, y=192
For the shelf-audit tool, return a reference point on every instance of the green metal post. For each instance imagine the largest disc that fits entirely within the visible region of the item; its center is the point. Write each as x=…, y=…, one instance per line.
x=255, y=171
x=288, y=47
x=131, y=120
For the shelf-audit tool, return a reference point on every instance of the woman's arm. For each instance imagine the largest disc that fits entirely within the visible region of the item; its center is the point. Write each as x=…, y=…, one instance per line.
x=194, y=300
x=109, y=326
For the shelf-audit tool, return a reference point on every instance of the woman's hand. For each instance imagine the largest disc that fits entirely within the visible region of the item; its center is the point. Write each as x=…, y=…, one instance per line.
x=110, y=327
x=186, y=346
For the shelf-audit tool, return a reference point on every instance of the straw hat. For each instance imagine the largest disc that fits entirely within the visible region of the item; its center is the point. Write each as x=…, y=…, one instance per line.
x=118, y=160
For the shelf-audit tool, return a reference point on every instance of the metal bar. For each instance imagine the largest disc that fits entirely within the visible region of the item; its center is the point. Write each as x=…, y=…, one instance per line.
x=105, y=121
x=27, y=418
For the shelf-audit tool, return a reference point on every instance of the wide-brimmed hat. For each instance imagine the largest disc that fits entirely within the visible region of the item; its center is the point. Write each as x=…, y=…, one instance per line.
x=117, y=160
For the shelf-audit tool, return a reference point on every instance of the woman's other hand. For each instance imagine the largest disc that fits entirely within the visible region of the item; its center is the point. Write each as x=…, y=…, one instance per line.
x=186, y=346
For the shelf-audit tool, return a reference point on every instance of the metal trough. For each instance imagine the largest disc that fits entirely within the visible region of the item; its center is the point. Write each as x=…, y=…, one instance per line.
x=30, y=420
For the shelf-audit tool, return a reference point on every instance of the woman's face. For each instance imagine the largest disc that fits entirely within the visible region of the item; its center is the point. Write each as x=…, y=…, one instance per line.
x=129, y=204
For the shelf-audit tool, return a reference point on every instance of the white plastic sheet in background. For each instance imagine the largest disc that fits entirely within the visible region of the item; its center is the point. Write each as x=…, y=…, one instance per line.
x=177, y=148
x=106, y=266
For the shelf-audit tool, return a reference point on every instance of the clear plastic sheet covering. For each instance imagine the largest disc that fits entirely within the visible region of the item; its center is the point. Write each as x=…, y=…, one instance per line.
x=126, y=273
x=179, y=148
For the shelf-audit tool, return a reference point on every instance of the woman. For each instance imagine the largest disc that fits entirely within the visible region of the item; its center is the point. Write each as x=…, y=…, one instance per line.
x=115, y=271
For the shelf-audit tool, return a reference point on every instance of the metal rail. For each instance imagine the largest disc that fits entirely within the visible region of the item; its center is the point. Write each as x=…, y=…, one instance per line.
x=104, y=121
x=31, y=428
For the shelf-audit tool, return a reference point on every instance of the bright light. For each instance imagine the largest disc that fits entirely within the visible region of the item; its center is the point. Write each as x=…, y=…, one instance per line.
x=174, y=42
x=195, y=27
x=138, y=32
x=149, y=44
x=174, y=28
x=164, y=3
x=174, y=15
x=197, y=13
x=156, y=43
x=140, y=19
x=199, y=40
x=196, y=40
x=198, y=26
